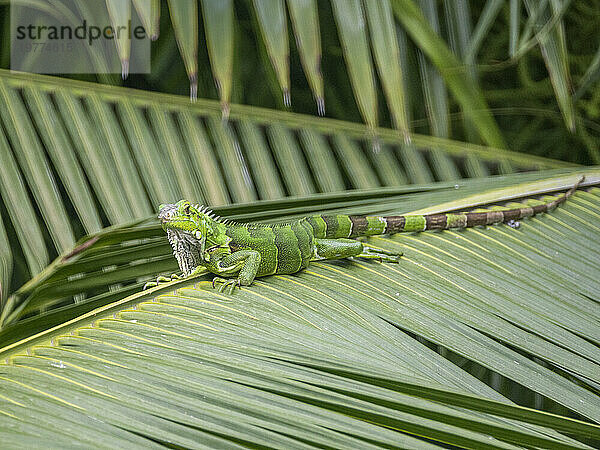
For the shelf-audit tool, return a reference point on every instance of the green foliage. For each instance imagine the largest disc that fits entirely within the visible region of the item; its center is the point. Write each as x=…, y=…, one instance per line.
x=431, y=352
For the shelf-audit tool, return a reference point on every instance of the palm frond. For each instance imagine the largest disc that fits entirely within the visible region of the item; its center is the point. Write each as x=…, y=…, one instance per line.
x=338, y=355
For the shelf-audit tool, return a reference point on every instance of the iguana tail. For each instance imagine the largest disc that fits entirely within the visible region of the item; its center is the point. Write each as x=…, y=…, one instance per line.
x=340, y=226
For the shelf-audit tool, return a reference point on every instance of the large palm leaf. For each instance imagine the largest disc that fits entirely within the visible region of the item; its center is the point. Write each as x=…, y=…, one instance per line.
x=339, y=355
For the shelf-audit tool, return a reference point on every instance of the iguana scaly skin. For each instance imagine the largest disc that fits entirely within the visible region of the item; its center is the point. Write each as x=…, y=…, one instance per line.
x=247, y=250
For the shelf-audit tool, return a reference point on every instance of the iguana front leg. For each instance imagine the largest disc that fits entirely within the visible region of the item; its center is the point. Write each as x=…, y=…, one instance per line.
x=244, y=263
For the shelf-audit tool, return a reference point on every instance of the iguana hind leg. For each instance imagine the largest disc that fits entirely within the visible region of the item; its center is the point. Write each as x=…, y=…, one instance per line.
x=345, y=248
x=380, y=254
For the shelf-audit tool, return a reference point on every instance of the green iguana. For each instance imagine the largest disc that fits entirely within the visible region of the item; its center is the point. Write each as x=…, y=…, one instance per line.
x=247, y=250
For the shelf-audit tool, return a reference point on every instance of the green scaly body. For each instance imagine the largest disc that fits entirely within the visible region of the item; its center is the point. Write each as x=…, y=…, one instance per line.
x=245, y=251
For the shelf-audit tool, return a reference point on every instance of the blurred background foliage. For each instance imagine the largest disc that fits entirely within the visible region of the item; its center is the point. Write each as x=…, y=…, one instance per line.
x=535, y=65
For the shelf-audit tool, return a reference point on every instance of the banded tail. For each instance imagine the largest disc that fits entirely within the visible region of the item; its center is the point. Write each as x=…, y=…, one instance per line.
x=341, y=226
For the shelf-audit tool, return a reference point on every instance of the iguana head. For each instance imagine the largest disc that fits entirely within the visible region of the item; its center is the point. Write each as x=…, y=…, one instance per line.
x=189, y=229
x=183, y=217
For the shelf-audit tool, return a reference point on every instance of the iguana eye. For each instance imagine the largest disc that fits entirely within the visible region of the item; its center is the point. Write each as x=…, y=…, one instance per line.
x=186, y=209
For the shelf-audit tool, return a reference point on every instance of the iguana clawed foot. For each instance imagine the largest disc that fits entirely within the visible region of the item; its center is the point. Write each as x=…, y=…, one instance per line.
x=231, y=283
x=162, y=279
